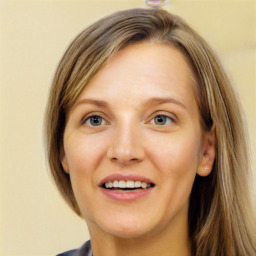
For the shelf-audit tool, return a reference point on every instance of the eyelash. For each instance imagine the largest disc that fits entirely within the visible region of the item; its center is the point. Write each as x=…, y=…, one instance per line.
x=104, y=122
x=165, y=117
x=89, y=119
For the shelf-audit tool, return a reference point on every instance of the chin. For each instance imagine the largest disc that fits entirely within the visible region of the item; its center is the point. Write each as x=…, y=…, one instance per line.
x=127, y=232
x=125, y=227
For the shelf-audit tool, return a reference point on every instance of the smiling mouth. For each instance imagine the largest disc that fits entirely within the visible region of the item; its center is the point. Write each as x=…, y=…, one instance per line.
x=129, y=185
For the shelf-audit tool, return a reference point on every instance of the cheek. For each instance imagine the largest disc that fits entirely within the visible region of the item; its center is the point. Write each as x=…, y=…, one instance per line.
x=178, y=162
x=83, y=156
x=178, y=154
x=83, y=153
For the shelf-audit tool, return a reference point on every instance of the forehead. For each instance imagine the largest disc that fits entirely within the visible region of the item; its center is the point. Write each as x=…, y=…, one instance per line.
x=143, y=70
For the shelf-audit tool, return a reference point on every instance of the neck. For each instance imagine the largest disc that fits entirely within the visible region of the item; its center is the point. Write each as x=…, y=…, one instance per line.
x=170, y=241
x=141, y=247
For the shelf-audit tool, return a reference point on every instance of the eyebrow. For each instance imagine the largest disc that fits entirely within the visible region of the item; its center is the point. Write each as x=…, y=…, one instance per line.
x=159, y=100
x=155, y=100
x=99, y=103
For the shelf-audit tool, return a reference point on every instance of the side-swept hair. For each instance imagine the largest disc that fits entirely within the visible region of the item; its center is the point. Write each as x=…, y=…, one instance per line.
x=220, y=212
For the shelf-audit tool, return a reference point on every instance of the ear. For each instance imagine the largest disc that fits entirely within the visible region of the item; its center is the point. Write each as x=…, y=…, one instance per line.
x=64, y=160
x=207, y=153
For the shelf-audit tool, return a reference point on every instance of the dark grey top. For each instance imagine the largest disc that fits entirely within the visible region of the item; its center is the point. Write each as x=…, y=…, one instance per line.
x=85, y=250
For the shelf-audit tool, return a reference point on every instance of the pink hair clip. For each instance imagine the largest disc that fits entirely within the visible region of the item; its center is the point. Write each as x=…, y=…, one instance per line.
x=156, y=3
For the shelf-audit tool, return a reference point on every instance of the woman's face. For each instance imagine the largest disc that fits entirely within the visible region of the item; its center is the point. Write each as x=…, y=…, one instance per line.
x=133, y=143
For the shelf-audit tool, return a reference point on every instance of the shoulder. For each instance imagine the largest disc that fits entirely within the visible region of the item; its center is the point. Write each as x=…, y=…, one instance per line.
x=85, y=250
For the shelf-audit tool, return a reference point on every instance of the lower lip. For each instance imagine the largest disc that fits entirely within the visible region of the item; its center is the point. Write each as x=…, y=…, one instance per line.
x=126, y=195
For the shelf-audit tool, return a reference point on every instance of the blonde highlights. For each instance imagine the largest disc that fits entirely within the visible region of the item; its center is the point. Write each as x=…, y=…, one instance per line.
x=220, y=217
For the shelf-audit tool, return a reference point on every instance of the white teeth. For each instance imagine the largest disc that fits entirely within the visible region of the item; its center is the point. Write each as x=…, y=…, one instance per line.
x=144, y=184
x=130, y=184
x=127, y=184
x=109, y=185
x=137, y=184
x=122, y=184
x=115, y=184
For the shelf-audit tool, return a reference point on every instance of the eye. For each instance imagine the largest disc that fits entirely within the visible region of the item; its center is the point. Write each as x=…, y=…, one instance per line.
x=162, y=120
x=94, y=121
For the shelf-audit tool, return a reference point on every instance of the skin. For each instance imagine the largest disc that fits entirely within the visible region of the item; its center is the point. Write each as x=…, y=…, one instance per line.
x=130, y=140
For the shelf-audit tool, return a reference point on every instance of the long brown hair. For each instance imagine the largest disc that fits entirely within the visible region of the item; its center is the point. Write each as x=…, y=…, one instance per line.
x=220, y=213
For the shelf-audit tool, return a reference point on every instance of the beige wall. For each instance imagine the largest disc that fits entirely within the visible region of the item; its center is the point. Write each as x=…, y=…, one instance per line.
x=34, y=34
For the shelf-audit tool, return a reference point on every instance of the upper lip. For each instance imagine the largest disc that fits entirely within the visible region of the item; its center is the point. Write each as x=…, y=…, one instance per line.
x=124, y=177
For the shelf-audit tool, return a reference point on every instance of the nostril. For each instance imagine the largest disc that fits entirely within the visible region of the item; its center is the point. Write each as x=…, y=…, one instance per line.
x=121, y=160
x=124, y=154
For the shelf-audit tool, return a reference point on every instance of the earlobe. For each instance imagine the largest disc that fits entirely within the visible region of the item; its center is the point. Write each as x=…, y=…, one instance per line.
x=207, y=153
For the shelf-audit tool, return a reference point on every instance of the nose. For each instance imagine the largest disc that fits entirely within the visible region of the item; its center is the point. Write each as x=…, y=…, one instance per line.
x=126, y=145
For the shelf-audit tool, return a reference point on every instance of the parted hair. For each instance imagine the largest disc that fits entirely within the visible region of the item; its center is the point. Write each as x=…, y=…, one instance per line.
x=220, y=210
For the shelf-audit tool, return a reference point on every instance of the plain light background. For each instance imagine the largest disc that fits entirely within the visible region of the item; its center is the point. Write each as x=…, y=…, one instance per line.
x=34, y=220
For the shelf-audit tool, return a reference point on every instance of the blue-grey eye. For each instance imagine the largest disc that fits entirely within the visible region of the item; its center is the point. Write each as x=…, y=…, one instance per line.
x=162, y=120
x=94, y=120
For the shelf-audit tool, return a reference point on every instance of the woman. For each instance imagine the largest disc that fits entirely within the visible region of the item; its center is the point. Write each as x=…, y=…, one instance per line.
x=146, y=141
